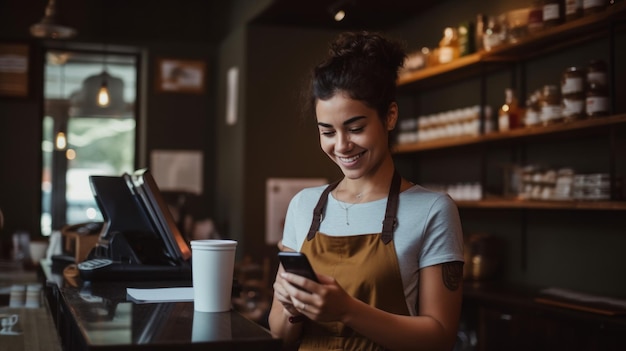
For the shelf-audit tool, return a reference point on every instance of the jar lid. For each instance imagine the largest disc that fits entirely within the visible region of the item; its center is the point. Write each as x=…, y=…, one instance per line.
x=598, y=64
x=596, y=86
x=574, y=69
x=550, y=90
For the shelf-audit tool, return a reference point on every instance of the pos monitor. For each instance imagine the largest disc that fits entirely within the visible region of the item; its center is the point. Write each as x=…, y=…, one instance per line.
x=161, y=217
x=140, y=239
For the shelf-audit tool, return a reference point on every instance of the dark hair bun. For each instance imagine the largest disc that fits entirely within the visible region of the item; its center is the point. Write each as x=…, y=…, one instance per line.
x=368, y=49
x=362, y=65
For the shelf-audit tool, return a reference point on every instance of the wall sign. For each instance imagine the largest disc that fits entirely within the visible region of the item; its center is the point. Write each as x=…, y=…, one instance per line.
x=178, y=170
x=278, y=194
x=14, y=62
x=181, y=76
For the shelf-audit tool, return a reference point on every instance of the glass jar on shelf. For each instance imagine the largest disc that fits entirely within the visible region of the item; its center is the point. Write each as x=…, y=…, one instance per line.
x=573, y=92
x=593, y=6
x=573, y=9
x=535, y=17
x=553, y=13
x=449, y=45
x=551, y=109
x=533, y=110
x=510, y=114
x=597, y=72
x=564, y=184
x=597, y=101
x=495, y=33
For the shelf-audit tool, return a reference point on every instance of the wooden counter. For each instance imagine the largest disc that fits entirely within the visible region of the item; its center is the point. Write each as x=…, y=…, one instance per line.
x=34, y=330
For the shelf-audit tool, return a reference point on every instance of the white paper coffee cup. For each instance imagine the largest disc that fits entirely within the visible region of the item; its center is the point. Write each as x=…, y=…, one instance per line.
x=213, y=264
x=210, y=327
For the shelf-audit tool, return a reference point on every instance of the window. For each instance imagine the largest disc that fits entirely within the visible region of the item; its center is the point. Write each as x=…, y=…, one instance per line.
x=82, y=136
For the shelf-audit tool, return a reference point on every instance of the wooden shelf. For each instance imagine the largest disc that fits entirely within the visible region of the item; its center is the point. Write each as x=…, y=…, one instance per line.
x=551, y=39
x=585, y=125
x=423, y=74
x=501, y=203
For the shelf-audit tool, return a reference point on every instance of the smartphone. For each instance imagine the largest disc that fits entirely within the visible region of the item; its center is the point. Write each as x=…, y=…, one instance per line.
x=297, y=263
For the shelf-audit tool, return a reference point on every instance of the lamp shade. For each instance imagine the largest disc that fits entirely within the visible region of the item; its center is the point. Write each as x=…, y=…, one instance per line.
x=84, y=103
x=48, y=26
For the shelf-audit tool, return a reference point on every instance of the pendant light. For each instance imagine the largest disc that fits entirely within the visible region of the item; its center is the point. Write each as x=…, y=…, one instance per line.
x=103, y=94
x=86, y=102
x=60, y=124
x=61, y=141
x=103, y=97
x=49, y=28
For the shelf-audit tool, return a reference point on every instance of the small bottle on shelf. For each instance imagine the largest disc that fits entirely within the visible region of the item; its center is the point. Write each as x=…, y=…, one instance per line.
x=551, y=109
x=597, y=96
x=535, y=17
x=573, y=92
x=597, y=72
x=509, y=115
x=553, y=13
x=533, y=110
x=449, y=45
x=573, y=9
x=494, y=33
x=466, y=38
x=593, y=6
x=597, y=102
x=479, y=30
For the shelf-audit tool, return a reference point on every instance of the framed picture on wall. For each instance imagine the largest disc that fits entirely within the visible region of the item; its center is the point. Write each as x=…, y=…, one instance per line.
x=181, y=76
x=14, y=69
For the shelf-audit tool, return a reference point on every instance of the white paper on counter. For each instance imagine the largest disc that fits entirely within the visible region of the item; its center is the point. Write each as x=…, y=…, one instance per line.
x=184, y=294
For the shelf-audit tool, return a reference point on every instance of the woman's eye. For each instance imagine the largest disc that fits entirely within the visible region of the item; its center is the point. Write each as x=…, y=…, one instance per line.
x=356, y=130
x=327, y=132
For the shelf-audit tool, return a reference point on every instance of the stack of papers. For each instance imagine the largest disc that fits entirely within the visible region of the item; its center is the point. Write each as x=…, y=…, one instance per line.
x=158, y=295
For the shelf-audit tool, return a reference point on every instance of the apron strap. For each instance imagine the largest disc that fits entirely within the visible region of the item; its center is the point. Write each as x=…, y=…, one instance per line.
x=390, y=221
x=319, y=208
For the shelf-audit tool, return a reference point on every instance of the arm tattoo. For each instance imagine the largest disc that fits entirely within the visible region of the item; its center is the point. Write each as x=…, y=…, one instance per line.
x=452, y=274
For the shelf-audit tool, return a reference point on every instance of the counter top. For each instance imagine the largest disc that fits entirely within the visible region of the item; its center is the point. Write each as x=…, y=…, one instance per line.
x=98, y=316
x=34, y=329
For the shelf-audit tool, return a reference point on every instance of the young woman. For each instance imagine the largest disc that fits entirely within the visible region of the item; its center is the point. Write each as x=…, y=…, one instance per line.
x=388, y=253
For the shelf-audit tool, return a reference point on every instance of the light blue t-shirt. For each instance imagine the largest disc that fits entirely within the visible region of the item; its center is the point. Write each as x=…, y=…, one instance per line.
x=428, y=230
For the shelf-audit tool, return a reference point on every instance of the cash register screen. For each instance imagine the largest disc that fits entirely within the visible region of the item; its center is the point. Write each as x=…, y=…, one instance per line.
x=124, y=215
x=159, y=213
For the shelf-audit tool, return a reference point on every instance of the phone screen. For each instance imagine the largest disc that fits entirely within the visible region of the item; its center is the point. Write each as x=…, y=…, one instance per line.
x=297, y=263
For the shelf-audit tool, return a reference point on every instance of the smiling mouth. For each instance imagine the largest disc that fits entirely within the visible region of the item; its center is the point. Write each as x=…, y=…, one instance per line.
x=350, y=159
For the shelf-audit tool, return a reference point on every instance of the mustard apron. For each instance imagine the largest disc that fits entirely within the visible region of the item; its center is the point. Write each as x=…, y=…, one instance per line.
x=366, y=266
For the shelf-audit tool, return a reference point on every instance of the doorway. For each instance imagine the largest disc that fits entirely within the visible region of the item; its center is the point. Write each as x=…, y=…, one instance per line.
x=83, y=134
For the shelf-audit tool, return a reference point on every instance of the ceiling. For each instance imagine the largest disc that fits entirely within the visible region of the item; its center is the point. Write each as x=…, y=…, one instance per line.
x=360, y=14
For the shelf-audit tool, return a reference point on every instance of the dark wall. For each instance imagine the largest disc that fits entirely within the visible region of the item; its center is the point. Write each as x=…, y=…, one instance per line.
x=156, y=29
x=271, y=137
x=230, y=168
x=20, y=165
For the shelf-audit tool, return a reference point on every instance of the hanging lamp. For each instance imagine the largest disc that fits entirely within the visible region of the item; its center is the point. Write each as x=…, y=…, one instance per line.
x=49, y=28
x=104, y=97
x=86, y=101
x=103, y=94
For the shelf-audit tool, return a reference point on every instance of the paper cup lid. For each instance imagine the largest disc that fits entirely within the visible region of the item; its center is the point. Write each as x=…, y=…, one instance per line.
x=213, y=244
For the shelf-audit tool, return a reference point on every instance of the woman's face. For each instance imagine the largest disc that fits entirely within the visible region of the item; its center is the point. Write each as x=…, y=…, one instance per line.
x=352, y=135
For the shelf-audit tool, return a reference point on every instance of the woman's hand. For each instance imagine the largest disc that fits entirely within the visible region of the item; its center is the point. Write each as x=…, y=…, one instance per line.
x=282, y=295
x=325, y=301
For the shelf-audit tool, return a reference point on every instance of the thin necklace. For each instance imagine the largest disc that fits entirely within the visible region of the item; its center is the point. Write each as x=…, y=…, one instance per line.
x=359, y=197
